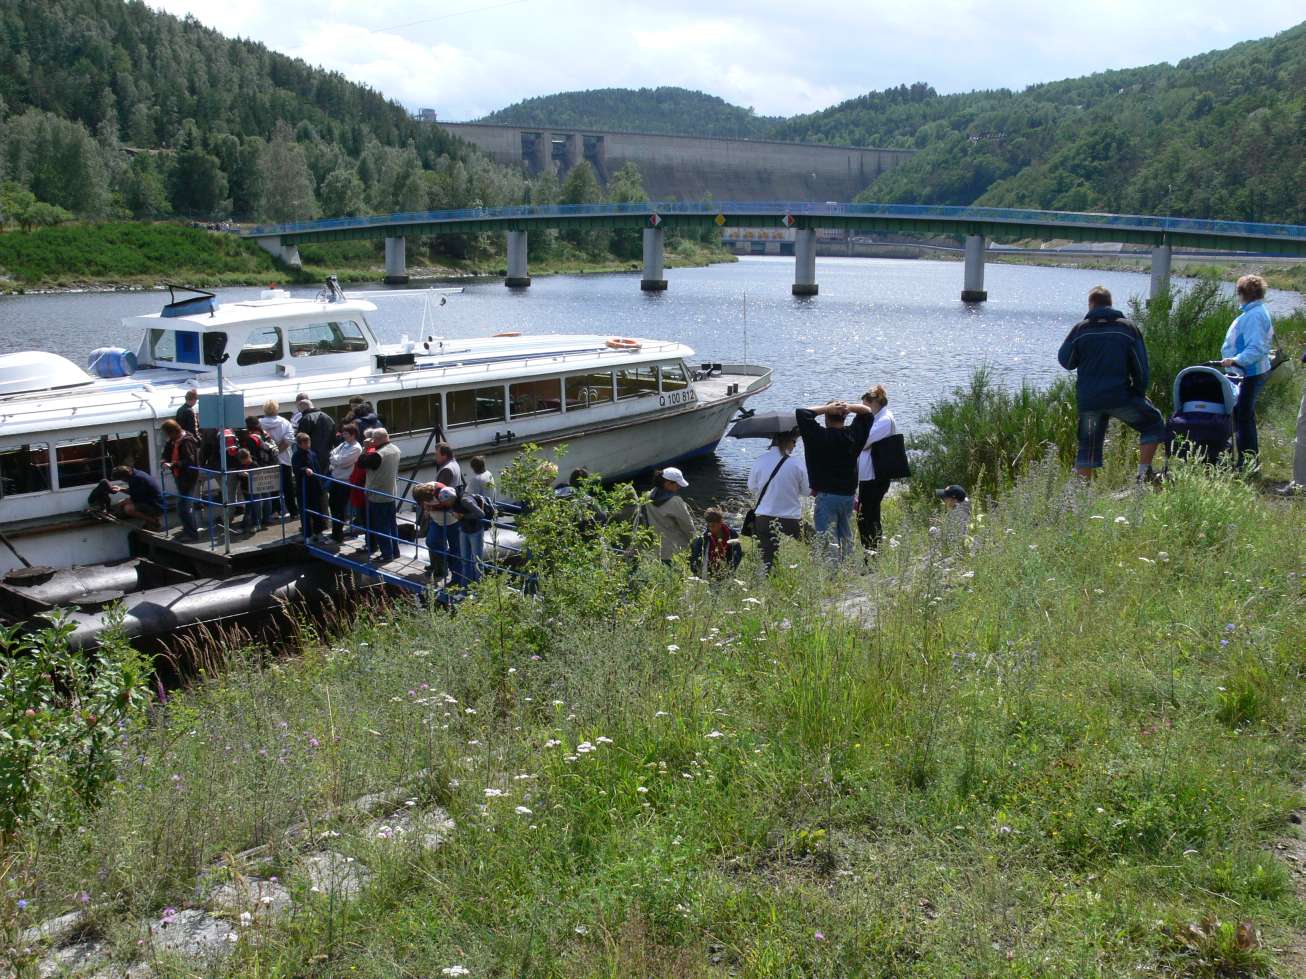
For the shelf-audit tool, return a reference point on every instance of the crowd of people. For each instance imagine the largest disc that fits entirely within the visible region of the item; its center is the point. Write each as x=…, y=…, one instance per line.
x=838, y=467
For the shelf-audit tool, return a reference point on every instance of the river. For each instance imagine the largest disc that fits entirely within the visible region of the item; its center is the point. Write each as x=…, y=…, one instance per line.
x=894, y=322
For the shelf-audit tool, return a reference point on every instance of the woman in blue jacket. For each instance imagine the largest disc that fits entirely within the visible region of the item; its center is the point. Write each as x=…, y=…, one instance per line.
x=1247, y=345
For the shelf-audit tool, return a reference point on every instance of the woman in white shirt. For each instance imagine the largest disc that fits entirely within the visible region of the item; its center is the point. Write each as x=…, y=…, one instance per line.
x=343, y=456
x=870, y=488
x=281, y=435
x=779, y=485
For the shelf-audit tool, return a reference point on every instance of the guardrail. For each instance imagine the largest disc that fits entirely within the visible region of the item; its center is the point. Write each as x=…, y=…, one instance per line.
x=314, y=517
x=999, y=215
x=261, y=488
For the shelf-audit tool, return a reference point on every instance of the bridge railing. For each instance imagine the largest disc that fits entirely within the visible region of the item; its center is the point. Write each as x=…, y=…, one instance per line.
x=999, y=215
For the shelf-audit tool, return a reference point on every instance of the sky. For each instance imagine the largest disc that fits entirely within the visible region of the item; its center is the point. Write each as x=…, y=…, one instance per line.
x=465, y=58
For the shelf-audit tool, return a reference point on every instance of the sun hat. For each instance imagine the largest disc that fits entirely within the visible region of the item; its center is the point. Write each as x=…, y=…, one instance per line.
x=673, y=475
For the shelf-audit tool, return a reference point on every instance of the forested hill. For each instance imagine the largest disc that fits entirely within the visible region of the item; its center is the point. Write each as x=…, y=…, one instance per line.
x=110, y=108
x=1220, y=135
x=645, y=110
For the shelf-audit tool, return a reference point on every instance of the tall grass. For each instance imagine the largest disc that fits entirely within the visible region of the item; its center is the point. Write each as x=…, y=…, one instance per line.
x=984, y=435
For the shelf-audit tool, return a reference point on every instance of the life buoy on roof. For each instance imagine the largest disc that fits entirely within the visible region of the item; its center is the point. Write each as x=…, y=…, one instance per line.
x=623, y=343
x=508, y=333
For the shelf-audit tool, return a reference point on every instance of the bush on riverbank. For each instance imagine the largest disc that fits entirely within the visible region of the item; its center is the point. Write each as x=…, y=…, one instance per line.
x=1063, y=751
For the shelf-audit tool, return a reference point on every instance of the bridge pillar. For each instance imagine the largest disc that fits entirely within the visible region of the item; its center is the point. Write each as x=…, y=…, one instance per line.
x=519, y=276
x=396, y=265
x=1160, y=272
x=805, y=262
x=972, y=287
x=288, y=254
x=654, y=278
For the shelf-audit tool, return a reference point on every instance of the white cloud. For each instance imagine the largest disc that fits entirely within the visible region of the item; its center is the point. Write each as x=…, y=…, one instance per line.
x=474, y=56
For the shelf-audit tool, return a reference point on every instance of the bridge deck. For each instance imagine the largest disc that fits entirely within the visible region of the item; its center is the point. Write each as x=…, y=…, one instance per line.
x=992, y=222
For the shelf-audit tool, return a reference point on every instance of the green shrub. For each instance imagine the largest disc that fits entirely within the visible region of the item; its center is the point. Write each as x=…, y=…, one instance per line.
x=64, y=714
x=983, y=436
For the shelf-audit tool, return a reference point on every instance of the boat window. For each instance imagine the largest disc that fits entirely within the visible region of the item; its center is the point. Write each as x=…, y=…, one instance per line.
x=86, y=463
x=673, y=378
x=584, y=390
x=541, y=397
x=128, y=449
x=473, y=406
x=261, y=347
x=163, y=346
x=24, y=469
x=80, y=464
x=407, y=416
x=637, y=382
x=319, y=339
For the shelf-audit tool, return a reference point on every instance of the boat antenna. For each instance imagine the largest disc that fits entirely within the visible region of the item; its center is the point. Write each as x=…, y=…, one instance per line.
x=331, y=291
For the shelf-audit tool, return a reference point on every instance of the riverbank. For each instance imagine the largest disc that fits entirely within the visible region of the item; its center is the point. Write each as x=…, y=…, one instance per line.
x=116, y=256
x=1070, y=747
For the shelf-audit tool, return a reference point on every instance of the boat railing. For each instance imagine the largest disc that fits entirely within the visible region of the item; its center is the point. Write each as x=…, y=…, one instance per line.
x=257, y=495
x=316, y=517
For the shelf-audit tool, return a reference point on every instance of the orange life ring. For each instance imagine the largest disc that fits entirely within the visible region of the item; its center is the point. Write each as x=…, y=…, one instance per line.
x=623, y=343
x=507, y=333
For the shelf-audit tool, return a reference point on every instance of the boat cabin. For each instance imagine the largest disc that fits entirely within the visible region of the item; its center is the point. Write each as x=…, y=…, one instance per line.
x=275, y=336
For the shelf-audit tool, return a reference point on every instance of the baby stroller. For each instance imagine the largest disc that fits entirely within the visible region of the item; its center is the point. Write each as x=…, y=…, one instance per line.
x=1202, y=424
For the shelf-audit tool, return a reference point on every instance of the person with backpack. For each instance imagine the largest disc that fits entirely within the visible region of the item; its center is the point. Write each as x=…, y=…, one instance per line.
x=779, y=484
x=872, y=488
x=716, y=551
x=454, y=532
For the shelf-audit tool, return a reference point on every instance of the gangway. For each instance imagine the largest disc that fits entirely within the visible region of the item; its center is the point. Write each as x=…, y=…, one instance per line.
x=411, y=567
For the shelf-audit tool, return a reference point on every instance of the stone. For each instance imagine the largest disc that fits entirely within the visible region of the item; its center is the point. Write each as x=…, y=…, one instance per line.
x=257, y=895
x=426, y=829
x=329, y=872
x=74, y=959
x=55, y=930
x=195, y=934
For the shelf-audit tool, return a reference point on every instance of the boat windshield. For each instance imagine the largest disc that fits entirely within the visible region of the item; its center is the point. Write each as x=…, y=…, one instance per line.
x=183, y=347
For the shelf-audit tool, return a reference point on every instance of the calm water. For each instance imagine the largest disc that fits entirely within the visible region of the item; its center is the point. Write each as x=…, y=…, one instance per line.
x=898, y=323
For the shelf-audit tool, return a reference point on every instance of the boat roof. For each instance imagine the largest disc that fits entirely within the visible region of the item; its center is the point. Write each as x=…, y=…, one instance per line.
x=231, y=314
x=154, y=393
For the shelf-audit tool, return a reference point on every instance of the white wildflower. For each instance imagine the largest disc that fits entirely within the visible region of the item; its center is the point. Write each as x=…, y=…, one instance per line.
x=455, y=970
x=493, y=793
x=673, y=648
x=522, y=811
x=246, y=919
x=602, y=739
x=673, y=618
x=715, y=734
x=552, y=743
x=584, y=748
x=1122, y=520
x=661, y=713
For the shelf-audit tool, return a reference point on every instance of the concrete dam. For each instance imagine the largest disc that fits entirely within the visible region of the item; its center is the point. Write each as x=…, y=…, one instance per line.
x=689, y=168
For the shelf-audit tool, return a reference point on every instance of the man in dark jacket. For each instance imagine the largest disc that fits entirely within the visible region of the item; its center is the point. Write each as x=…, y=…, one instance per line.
x=188, y=414
x=831, y=454
x=318, y=426
x=1110, y=357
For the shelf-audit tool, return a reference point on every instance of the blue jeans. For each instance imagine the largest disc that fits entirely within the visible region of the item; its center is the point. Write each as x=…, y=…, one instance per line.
x=1244, y=417
x=186, y=512
x=834, y=517
x=381, y=521
x=444, y=544
x=1139, y=414
x=470, y=548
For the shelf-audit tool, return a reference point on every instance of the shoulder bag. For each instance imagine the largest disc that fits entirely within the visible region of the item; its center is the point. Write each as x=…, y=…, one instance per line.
x=749, y=529
x=889, y=457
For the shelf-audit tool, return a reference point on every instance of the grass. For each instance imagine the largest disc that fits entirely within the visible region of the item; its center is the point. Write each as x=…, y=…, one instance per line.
x=128, y=253
x=1060, y=751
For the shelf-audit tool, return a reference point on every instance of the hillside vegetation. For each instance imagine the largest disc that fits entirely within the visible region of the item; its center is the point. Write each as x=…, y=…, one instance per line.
x=647, y=110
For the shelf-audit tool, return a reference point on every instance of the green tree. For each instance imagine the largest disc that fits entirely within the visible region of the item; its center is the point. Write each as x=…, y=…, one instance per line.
x=582, y=187
x=143, y=191
x=342, y=194
x=626, y=186
x=286, y=183
x=196, y=184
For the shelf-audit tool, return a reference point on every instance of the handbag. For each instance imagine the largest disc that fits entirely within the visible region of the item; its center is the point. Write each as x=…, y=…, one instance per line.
x=889, y=457
x=749, y=528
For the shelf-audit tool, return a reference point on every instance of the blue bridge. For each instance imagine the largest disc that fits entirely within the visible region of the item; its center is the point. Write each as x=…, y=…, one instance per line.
x=976, y=225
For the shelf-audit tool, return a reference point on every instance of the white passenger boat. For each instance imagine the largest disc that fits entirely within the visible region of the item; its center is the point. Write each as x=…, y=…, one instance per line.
x=620, y=406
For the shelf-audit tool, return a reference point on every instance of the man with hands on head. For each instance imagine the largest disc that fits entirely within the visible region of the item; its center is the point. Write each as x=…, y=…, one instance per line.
x=831, y=452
